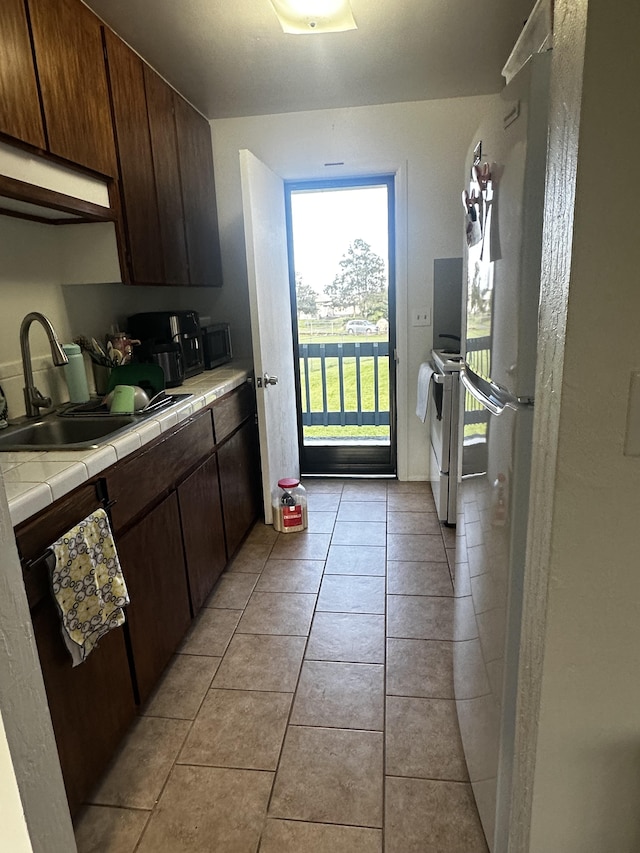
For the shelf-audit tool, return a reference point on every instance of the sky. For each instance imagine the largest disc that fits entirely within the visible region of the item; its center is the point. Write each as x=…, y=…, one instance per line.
x=326, y=222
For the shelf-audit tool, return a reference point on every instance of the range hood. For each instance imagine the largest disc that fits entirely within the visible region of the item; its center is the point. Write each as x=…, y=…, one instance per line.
x=34, y=188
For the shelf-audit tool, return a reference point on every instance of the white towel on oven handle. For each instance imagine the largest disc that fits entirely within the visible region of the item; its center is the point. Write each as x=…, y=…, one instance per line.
x=425, y=375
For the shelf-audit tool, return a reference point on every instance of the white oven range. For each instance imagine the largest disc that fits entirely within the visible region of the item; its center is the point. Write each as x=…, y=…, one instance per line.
x=444, y=425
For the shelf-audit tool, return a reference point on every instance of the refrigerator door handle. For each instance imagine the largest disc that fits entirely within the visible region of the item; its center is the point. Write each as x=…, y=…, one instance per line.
x=494, y=398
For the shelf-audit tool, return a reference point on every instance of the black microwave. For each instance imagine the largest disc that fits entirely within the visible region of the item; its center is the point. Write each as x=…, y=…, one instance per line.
x=216, y=345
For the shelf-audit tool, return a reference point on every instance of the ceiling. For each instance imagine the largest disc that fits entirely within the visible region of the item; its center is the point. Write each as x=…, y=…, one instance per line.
x=231, y=58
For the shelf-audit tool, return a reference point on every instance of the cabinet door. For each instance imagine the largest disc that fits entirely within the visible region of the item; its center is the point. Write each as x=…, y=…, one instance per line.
x=233, y=409
x=167, y=175
x=20, y=114
x=153, y=566
x=137, y=179
x=73, y=82
x=198, y=195
x=202, y=530
x=143, y=478
x=240, y=483
x=91, y=705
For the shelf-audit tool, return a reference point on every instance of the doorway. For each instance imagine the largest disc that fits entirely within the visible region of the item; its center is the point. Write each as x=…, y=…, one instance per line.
x=342, y=281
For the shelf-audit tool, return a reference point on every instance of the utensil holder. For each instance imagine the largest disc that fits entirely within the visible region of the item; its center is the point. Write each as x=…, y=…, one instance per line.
x=101, y=376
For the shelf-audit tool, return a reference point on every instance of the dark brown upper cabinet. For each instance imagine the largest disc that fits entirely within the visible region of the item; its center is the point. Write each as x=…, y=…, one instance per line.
x=167, y=177
x=20, y=113
x=137, y=180
x=73, y=82
x=198, y=195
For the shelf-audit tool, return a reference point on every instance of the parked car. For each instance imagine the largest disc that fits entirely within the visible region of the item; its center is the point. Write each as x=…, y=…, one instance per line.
x=361, y=327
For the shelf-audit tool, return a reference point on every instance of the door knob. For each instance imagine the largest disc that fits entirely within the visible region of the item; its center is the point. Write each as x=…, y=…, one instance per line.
x=267, y=380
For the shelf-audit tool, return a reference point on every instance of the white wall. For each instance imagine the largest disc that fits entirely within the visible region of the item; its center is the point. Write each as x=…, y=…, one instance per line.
x=427, y=141
x=13, y=831
x=585, y=778
x=71, y=274
x=26, y=733
x=29, y=269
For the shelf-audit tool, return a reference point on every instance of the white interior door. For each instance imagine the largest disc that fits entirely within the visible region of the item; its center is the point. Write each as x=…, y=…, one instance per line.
x=265, y=232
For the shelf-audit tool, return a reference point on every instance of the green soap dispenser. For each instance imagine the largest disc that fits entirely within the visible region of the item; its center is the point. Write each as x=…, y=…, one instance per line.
x=75, y=374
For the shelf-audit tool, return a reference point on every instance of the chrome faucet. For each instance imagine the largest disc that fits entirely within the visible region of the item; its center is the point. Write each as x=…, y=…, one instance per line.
x=33, y=399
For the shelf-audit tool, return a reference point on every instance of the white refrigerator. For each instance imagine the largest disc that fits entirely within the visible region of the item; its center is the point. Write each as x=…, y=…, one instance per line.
x=504, y=202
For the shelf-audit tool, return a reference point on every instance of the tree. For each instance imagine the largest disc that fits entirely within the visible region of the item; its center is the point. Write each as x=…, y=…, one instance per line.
x=361, y=284
x=305, y=298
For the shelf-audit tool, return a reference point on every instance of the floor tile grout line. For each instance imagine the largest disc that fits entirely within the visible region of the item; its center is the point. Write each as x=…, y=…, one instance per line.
x=444, y=562
x=164, y=785
x=425, y=639
x=117, y=807
x=141, y=716
x=136, y=846
x=427, y=778
x=431, y=779
x=225, y=767
x=415, y=594
x=270, y=551
x=350, y=662
x=220, y=657
x=335, y=728
x=293, y=699
x=192, y=723
x=384, y=698
x=268, y=592
x=429, y=698
x=328, y=823
x=289, y=724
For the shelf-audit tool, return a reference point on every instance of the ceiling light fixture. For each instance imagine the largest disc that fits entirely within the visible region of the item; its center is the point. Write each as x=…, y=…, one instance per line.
x=314, y=16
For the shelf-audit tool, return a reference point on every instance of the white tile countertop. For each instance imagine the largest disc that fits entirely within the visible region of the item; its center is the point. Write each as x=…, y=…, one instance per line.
x=35, y=479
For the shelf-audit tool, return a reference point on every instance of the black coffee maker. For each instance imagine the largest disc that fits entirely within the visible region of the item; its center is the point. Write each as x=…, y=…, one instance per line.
x=171, y=339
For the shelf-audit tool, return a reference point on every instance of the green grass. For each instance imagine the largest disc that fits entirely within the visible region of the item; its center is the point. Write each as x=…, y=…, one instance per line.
x=367, y=387
x=475, y=430
x=363, y=433
x=342, y=338
x=333, y=331
x=321, y=332
x=350, y=395
x=478, y=326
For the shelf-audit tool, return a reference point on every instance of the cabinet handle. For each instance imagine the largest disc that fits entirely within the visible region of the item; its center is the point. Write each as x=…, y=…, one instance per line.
x=28, y=565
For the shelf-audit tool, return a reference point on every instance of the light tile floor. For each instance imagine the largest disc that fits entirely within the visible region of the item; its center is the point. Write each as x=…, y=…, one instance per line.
x=294, y=718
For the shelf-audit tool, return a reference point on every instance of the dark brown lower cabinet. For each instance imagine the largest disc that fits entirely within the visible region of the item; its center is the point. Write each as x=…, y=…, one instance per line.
x=158, y=616
x=159, y=518
x=91, y=704
x=202, y=530
x=238, y=462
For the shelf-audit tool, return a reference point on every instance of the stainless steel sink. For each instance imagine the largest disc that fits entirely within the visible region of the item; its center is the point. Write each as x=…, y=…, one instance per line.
x=53, y=432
